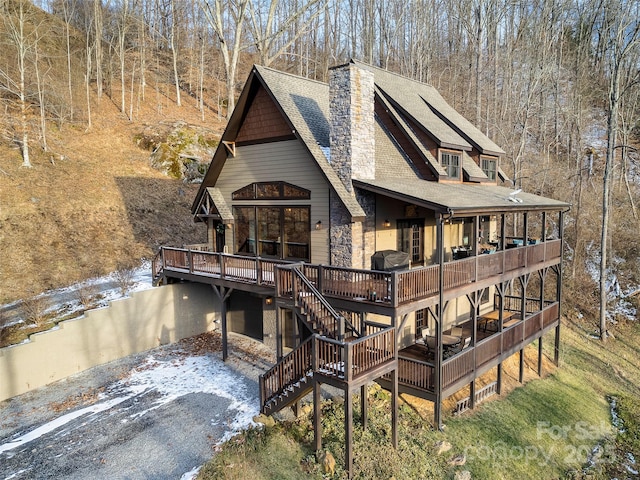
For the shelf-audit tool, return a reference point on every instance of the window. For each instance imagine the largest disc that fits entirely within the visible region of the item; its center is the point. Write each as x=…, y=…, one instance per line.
x=276, y=232
x=451, y=163
x=245, y=227
x=271, y=191
x=484, y=298
x=269, y=232
x=489, y=167
x=421, y=321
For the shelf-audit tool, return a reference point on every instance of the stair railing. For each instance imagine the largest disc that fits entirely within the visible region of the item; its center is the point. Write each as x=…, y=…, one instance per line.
x=319, y=310
x=292, y=368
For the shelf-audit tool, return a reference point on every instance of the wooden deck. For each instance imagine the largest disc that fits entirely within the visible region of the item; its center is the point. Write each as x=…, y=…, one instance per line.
x=417, y=366
x=374, y=288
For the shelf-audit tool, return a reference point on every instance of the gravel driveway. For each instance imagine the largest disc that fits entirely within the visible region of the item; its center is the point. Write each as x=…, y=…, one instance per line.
x=156, y=415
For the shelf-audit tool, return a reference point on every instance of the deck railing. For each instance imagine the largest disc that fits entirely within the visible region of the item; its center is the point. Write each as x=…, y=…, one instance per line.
x=386, y=288
x=456, y=367
x=371, y=351
x=419, y=374
x=513, y=303
x=488, y=349
x=348, y=360
x=415, y=373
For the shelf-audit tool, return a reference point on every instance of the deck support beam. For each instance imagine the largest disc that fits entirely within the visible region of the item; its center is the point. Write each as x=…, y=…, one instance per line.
x=364, y=411
x=394, y=408
x=472, y=394
x=348, y=432
x=556, y=349
x=521, y=367
x=540, y=356
x=317, y=420
x=499, y=379
x=223, y=294
x=437, y=408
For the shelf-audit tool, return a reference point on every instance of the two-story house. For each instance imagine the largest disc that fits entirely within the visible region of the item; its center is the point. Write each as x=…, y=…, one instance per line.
x=361, y=229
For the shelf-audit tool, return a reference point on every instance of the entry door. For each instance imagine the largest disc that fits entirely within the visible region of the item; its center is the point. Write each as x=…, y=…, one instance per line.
x=410, y=238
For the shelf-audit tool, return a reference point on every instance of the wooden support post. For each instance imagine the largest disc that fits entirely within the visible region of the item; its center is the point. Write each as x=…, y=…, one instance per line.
x=225, y=345
x=540, y=357
x=499, y=379
x=364, y=394
x=394, y=408
x=317, y=420
x=521, y=372
x=556, y=347
x=472, y=394
x=223, y=295
x=437, y=407
x=279, y=349
x=348, y=432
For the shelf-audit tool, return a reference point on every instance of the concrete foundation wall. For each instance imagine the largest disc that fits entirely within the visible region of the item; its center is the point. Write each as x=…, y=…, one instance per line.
x=132, y=325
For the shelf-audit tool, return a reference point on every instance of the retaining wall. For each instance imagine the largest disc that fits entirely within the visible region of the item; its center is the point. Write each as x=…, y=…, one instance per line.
x=145, y=320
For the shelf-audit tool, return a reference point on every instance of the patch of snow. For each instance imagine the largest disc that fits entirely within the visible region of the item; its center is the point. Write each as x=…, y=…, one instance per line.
x=16, y=474
x=60, y=422
x=191, y=474
x=169, y=380
x=65, y=302
x=616, y=293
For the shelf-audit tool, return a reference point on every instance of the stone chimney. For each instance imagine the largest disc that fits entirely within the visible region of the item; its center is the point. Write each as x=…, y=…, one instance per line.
x=351, y=119
x=352, y=141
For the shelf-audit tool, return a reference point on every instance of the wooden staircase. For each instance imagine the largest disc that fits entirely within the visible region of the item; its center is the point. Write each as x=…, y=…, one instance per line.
x=336, y=351
x=288, y=380
x=316, y=312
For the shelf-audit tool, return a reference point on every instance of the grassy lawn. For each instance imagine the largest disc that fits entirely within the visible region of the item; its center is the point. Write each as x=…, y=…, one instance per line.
x=549, y=428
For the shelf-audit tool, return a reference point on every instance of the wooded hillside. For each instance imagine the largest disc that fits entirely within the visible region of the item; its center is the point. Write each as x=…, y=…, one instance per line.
x=554, y=83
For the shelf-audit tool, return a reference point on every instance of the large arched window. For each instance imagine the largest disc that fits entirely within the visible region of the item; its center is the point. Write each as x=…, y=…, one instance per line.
x=277, y=231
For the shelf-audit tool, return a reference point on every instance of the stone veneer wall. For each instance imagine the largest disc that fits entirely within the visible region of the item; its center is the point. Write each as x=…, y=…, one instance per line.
x=340, y=232
x=351, y=105
x=351, y=93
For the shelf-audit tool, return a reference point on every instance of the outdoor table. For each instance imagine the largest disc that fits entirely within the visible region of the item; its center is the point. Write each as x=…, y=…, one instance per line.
x=492, y=317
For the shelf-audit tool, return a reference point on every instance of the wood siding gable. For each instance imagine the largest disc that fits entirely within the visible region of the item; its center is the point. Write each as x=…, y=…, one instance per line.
x=263, y=122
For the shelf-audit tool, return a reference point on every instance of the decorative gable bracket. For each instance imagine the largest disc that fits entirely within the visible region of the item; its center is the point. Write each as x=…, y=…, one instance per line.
x=230, y=146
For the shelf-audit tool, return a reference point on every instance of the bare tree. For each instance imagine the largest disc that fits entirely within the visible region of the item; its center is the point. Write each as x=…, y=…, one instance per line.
x=274, y=34
x=21, y=36
x=621, y=28
x=233, y=13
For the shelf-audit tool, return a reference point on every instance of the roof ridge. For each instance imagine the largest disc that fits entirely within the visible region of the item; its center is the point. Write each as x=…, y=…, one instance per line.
x=289, y=74
x=403, y=77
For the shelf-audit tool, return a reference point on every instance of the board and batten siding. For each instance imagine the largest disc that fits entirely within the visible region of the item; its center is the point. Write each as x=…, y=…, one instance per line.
x=286, y=161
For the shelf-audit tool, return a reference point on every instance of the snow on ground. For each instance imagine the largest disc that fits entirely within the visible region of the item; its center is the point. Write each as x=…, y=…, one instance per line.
x=155, y=383
x=616, y=293
x=66, y=301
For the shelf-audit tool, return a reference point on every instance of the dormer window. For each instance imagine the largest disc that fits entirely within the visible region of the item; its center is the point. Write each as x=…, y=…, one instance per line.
x=451, y=163
x=489, y=167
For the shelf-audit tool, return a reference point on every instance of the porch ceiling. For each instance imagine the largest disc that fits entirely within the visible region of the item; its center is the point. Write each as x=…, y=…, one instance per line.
x=458, y=199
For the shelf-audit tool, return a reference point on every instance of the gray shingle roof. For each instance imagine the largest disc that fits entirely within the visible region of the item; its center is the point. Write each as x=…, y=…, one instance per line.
x=221, y=206
x=458, y=198
x=444, y=122
x=306, y=104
